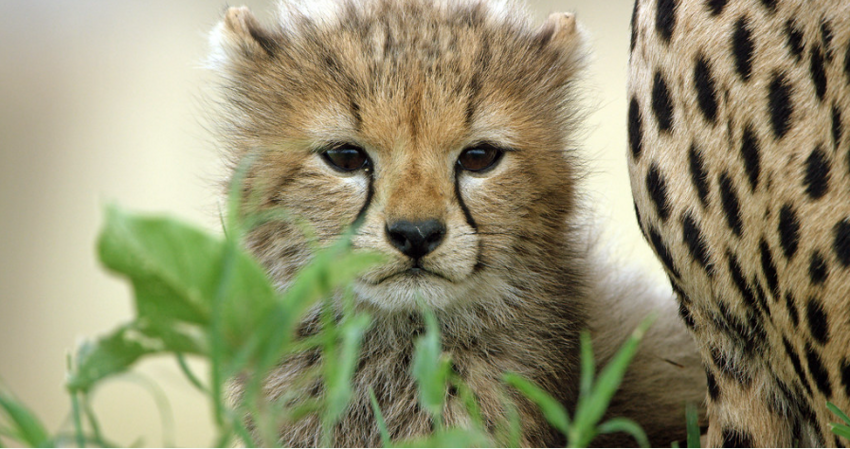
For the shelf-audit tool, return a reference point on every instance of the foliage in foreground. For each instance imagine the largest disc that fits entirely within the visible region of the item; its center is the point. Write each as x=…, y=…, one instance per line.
x=200, y=295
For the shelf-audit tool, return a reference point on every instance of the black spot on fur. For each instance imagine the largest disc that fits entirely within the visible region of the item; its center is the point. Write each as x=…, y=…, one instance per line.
x=749, y=336
x=635, y=129
x=742, y=48
x=727, y=367
x=817, y=268
x=715, y=6
x=789, y=231
x=751, y=154
x=706, y=90
x=769, y=269
x=847, y=62
x=657, y=188
x=731, y=206
x=795, y=40
x=845, y=376
x=692, y=236
x=817, y=319
x=740, y=281
x=791, y=304
x=699, y=175
x=817, y=71
x=837, y=126
x=633, y=27
x=685, y=314
x=817, y=174
x=639, y=221
x=819, y=373
x=769, y=4
x=798, y=367
x=779, y=101
x=826, y=35
x=736, y=438
x=662, y=105
x=841, y=243
x=665, y=18
x=713, y=390
x=662, y=252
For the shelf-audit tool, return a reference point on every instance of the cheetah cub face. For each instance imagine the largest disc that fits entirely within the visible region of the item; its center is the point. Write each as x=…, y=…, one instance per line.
x=439, y=127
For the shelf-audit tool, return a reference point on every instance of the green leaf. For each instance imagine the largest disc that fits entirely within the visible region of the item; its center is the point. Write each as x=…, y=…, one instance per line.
x=838, y=412
x=24, y=424
x=431, y=369
x=590, y=409
x=625, y=425
x=379, y=419
x=692, y=420
x=338, y=379
x=552, y=410
x=109, y=355
x=588, y=366
x=175, y=271
x=840, y=430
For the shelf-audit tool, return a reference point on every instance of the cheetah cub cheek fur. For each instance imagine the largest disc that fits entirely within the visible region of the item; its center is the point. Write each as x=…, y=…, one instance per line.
x=442, y=127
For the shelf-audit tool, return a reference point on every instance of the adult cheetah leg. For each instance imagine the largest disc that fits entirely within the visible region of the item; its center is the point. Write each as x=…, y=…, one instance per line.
x=743, y=415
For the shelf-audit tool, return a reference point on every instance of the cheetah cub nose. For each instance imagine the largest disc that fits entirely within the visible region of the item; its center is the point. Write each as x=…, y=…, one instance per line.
x=416, y=239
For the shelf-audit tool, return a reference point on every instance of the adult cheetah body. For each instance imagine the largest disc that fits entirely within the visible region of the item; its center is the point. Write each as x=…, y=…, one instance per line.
x=740, y=166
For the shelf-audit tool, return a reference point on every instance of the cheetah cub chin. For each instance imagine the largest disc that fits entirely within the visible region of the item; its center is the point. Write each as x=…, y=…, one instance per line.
x=444, y=129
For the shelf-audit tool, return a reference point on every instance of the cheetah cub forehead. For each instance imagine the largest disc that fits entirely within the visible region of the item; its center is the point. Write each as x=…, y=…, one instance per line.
x=441, y=127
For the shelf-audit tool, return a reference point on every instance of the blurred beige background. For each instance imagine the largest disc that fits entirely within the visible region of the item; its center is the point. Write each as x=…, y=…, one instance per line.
x=100, y=101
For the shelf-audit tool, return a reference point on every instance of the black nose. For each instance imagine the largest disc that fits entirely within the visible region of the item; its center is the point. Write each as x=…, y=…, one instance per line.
x=416, y=239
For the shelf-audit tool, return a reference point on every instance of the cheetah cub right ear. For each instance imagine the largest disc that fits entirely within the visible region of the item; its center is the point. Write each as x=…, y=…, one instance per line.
x=239, y=35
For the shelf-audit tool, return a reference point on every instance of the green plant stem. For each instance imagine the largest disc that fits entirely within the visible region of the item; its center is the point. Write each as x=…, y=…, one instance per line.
x=78, y=420
x=193, y=379
x=95, y=426
x=216, y=340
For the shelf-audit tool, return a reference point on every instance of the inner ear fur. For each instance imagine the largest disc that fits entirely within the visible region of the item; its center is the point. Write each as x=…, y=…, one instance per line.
x=559, y=30
x=242, y=31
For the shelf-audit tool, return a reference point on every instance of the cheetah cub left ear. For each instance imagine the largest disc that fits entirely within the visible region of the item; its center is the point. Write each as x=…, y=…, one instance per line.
x=239, y=35
x=561, y=29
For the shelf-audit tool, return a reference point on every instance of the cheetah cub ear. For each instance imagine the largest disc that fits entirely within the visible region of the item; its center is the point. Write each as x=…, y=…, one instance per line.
x=560, y=29
x=239, y=35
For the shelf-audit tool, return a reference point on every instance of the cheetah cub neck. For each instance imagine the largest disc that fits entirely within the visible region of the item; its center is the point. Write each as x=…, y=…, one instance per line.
x=443, y=129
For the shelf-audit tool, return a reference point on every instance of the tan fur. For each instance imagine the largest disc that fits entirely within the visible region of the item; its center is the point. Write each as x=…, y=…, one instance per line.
x=516, y=277
x=776, y=341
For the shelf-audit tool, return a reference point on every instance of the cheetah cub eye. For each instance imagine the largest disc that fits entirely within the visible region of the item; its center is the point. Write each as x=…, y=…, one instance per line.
x=481, y=157
x=346, y=158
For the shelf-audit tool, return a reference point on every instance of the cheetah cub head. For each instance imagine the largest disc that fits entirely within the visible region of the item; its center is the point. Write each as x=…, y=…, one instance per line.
x=441, y=127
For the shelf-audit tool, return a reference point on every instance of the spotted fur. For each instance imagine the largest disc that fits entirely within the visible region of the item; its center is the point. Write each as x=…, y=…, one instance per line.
x=740, y=167
x=516, y=274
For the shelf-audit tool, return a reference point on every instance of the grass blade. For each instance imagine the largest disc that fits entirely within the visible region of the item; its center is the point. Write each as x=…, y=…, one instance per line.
x=552, y=410
x=588, y=366
x=379, y=419
x=627, y=426
x=840, y=430
x=838, y=412
x=692, y=420
x=431, y=370
x=24, y=422
x=590, y=409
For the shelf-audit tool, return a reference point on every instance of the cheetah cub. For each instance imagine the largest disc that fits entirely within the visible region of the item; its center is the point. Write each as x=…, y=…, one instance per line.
x=444, y=129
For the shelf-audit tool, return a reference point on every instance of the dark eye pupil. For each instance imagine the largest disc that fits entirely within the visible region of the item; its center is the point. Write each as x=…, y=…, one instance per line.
x=346, y=158
x=479, y=158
